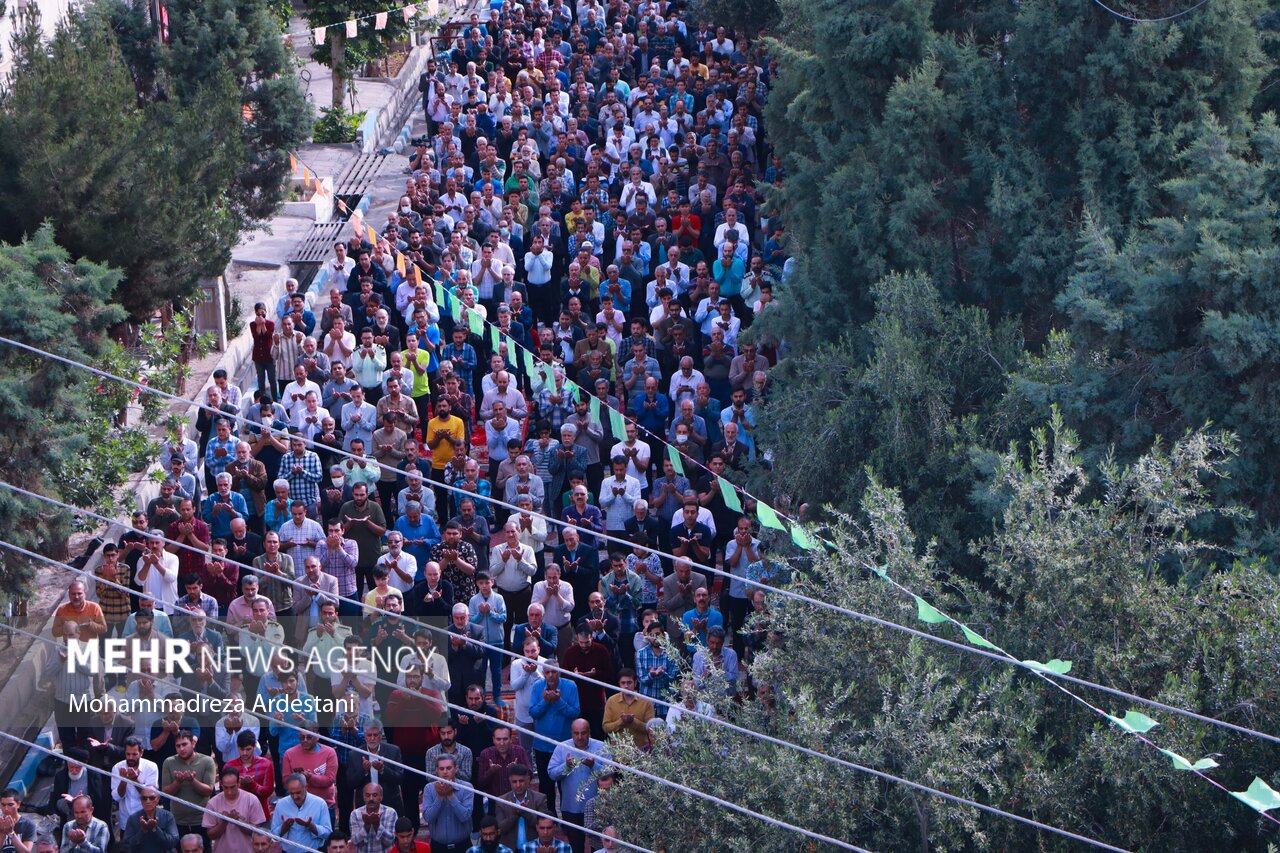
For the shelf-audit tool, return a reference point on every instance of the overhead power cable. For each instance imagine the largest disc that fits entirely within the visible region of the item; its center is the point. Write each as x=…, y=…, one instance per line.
x=710, y=570
x=586, y=679
x=680, y=787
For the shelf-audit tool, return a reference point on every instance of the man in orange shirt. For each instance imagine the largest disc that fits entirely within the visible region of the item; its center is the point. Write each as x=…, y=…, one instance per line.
x=86, y=614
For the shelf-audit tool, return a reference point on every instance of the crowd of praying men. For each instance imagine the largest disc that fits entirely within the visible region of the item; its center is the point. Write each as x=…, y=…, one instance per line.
x=580, y=235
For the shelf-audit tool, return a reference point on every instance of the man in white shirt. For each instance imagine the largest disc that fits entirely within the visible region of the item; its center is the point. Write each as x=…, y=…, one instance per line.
x=300, y=535
x=402, y=567
x=340, y=265
x=634, y=188
x=503, y=393
x=129, y=776
x=339, y=344
x=294, y=396
x=556, y=596
x=635, y=452
x=618, y=494
x=730, y=223
x=685, y=381
x=158, y=572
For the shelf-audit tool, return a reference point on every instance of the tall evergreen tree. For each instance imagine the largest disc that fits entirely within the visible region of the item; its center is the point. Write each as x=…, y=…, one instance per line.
x=139, y=186
x=61, y=441
x=242, y=38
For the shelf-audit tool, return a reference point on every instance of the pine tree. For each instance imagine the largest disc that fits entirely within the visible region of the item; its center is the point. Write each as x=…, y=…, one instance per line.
x=139, y=187
x=64, y=443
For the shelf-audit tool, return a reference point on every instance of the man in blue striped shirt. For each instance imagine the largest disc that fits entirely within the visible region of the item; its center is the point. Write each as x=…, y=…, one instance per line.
x=301, y=817
x=446, y=810
x=576, y=765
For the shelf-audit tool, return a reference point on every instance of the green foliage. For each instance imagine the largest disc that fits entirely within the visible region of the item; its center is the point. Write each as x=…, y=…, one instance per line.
x=281, y=12
x=910, y=411
x=101, y=166
x=1100, y=194
x=1032, y=330
x=749, y=17
x=241, y=38
x=346, y=56
x=181, y=148
x=336, y=125
x=65, y=443
x=1076, y=578
x=235, y=317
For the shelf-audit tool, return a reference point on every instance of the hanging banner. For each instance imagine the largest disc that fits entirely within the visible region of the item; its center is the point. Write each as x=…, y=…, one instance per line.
x=351, y=28
x=380, y=21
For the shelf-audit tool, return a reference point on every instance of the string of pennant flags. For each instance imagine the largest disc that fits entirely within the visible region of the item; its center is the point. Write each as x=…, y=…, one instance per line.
x=351, y=26
x=1259, y=796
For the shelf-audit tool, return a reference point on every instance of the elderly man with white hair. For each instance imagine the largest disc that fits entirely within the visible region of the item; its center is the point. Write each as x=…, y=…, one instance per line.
x=512, y=566
x=222, y=506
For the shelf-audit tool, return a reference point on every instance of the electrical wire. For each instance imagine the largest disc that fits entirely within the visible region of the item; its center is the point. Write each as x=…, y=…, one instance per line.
x=1139, y=735
x=47, y=751
x=710, y=570
x=586, y=679
x=1131, y=19
x=780, y=824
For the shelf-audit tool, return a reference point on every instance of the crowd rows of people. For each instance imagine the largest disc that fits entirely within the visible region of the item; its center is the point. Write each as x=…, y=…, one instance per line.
x=589, y=188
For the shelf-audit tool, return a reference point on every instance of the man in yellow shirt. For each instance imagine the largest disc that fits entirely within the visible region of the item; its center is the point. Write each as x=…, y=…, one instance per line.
x=627, y=713
x=440, y=434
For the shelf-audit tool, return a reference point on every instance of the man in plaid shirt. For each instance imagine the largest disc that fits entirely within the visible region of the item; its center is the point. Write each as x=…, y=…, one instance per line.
x=338, y=557
x=654, y=668
x=220, y=452
x=84, y=833
x=257, y=773
x=301, y=469
x=373, y=828
x=113, y=601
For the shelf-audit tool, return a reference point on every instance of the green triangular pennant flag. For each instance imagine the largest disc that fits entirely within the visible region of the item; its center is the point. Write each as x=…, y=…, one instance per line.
x=1134, y=722
x=1180, y=763
x=493, y=337
x=1260, y=796
x=926, y=612
x=442, y=296
x=801, y=537
x=768, y=517
x=730, y=495
x=528, y=364
x=571, y=391
x=475, y=321
x=593, y=403
x=977, y=639
x=617, y=424
x=881, y=572
x=1061, y=667
x=674, y=456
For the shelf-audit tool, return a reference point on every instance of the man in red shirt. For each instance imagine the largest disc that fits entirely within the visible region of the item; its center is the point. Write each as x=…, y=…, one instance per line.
x=405, y=842
x=192, y=532
x=588, y=658
x=257, y=773
x=317, y=761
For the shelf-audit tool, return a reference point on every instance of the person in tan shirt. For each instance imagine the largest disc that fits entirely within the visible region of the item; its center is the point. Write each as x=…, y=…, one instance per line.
x=626, y=713
x=86, y=614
